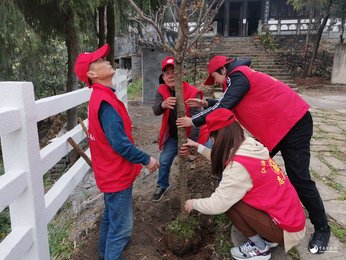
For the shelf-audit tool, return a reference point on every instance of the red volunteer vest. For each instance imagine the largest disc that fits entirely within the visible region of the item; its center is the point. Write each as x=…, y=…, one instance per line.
x=269, y=109
x=112, y=172
x=189, y=91
x=273, y=193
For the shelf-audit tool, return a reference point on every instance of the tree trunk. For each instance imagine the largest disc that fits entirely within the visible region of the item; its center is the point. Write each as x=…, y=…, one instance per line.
x=110, y=33
x=182, y=164
x=178, y=73
x=72, y=45
x=307, y=38
x=102, y=25
x=318, y=39
x=342, y=30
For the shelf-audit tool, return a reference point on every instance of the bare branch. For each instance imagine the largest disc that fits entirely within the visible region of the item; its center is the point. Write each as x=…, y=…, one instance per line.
x=173, y=16
x=209, y=15
x=207, y=22
x=181, y=43
x=151, y=22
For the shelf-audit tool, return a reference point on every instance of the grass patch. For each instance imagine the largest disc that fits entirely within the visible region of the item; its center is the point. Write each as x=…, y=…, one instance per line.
x=338, y=230
x=223, y=245
x=60, y=246
x=5, y=223
x=183, y=228
x=336, y=153
x=134, y=90
x=223, y=242
x=329, y=181
x=293, y=253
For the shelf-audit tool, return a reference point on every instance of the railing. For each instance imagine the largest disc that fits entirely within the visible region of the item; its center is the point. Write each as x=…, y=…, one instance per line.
x=21, y=186
x=299, y=26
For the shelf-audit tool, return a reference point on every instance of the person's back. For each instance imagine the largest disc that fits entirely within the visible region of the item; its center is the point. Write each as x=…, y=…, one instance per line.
x=269, y=109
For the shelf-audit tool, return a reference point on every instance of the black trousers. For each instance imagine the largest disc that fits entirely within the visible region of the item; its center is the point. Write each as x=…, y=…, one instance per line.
x=295, y=151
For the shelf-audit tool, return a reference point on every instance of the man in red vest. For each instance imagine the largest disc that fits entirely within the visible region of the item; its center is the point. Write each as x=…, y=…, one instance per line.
x=116, y=160
x=275, y=115
x=164, y=104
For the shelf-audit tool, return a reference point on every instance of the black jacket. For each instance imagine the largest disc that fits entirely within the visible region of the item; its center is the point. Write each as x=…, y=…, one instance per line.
x=237, y=86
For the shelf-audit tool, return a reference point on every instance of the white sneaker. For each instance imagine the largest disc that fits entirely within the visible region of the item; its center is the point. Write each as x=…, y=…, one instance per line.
x=271, y=244
x=250, y=251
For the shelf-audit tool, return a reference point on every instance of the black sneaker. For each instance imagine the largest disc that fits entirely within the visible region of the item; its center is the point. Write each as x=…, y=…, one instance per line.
x=319, y=240
x=158, y=194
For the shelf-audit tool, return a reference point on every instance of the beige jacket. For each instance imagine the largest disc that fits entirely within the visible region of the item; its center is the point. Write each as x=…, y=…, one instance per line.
x=235, y=183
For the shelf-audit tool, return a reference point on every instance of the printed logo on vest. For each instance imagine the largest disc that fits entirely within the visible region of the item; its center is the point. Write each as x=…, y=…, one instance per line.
x=91, y=137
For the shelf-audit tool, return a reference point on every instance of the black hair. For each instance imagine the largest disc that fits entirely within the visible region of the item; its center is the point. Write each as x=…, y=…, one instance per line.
x=161, y=81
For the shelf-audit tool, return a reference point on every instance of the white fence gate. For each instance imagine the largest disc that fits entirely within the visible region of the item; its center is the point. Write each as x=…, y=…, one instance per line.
x=21, y=186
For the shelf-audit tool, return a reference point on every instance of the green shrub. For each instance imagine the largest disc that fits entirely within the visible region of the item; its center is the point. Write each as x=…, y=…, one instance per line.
x=134, y=90
x=268, y=41
x=183, y=228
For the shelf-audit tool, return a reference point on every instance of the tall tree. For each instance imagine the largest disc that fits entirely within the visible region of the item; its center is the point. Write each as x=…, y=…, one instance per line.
x=101, y=25
x=182, y=15
x=63, y=18
x=111, y=32
x=25, y=56
x=325, y=8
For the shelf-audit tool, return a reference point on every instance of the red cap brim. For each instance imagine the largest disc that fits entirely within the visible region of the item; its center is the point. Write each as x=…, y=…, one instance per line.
x=210, y=81
x=100, y=53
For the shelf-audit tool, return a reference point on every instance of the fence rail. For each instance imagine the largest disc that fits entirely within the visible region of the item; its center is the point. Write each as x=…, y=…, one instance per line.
x=21, y=186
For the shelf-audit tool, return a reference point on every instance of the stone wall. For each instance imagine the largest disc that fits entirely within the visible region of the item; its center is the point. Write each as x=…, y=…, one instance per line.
x=126, y=46
x=339, y=65
x=151, y=71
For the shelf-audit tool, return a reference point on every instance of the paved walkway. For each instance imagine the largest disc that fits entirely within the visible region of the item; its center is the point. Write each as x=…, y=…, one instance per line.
x=328, y=168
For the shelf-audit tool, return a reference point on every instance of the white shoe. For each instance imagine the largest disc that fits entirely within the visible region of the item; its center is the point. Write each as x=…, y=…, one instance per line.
x=271, y=244
x=250, y=251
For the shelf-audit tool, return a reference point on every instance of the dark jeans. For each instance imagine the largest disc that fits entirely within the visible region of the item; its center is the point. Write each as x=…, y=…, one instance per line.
x=169, y=151
x=295, y=151
x=116, y=224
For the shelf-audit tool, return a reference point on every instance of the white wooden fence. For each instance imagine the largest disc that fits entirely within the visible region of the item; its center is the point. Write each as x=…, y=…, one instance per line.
x=21, y=186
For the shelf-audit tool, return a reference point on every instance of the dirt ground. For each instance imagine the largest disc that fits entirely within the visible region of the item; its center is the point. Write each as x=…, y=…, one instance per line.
x=150, y=218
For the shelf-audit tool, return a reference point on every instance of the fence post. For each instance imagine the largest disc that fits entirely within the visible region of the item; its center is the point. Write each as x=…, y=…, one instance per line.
x=21, y=152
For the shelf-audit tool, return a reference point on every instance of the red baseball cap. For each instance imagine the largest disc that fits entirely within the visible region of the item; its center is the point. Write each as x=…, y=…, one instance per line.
x=167, y=61
x=220, y=118
x=215, y=63
x=84, y=60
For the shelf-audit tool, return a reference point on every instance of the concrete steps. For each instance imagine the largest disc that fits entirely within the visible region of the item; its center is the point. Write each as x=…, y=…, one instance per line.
x=262, y=60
